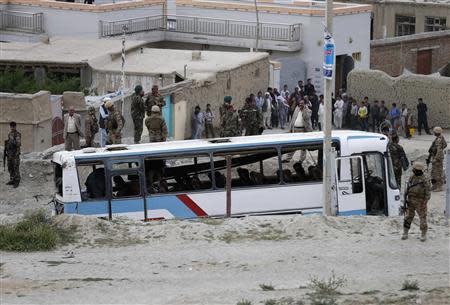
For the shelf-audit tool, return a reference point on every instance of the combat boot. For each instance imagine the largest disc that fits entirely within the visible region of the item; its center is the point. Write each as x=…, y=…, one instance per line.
x=16, y=184
x=10, y=182
x=405, y=234
x=423, y=237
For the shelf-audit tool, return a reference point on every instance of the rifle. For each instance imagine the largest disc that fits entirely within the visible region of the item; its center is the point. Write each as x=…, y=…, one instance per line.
x=404, y=207
x=4, y=155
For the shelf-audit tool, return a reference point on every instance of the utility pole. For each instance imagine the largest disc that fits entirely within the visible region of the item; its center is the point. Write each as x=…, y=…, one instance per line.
x=257, y=25
x=122, y=81
x=328, y=87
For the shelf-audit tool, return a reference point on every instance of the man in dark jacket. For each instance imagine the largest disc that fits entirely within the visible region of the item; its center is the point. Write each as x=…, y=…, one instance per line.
x=422, y=117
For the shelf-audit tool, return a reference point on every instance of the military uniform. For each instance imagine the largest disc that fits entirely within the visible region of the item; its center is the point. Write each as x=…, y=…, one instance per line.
x=417, y=195
x=230, y=124
x=12, y=149
x=153, y=100
x=396, y=151
x=157, y=128
x=437, y=154
x=137, y=114
x=114, y=125
x=90, y=127
x=252, y=119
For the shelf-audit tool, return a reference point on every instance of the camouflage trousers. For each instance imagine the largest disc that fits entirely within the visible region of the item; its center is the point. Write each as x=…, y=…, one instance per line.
x=89, y=140
x=421, y=207
x=252, y=130
x=114, y=138
x=437, y=171
x=398, y=177
x=138, y=128
x=13, y=169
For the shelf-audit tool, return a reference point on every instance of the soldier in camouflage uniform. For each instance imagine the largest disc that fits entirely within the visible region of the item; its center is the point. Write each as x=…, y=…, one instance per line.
x=154, y=99
x=397, y=152
x=90, y=126
x=417, y=196
x=223, y=108
x=230, y=123
x=436, y=157
x=156, y=125
x=138, y=112
x=114, y=124
x=251, y=118
x=12, y=152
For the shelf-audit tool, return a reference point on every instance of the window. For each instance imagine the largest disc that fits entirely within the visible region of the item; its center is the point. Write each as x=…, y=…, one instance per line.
x=405, y=25
x=91, y=177
x=295, y=170
x=125, y=165
x=356, y=56
x=392, y=181
x=125, y=186
x=350, y=176
x=375, y=183
x=57, y=168
x=178, y=174
x=435, y=24
x=249, y=168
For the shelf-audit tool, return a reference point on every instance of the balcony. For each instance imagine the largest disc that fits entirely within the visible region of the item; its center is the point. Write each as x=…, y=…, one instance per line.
x=272, y=36
x=21, y=21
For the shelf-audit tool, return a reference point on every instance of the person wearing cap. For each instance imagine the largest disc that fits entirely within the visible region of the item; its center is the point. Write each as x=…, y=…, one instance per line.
x=230, y=126
x=223, y=108
x=72, y=130
x=436, y=156
x=114, y=124
x=12, y=152
x=156, y=125
x=102, y=119
x=154, y=99
x=138, y=112
x=90, y=126
x=251, y=118
x=397, y=156
x=417, y=196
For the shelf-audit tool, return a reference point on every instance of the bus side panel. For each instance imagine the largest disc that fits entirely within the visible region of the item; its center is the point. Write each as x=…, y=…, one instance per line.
x=93, y=208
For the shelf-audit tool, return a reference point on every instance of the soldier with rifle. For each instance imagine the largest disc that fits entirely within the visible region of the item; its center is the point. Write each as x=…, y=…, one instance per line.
x=436, y=158
x=12, y=155
x=416, y=198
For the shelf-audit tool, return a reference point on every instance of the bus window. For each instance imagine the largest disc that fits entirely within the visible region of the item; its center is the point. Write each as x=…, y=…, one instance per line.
x=91, y=177
x=375, y=183
x=175, y=175
x=125, y=165
x=125, y=186
x=58, y=178
x=301, y=165
x=249, y=168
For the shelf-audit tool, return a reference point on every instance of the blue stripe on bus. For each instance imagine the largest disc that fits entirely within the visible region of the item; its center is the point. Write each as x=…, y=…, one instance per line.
x=127, y=205
x=353, y=212
x=171, y=203
x=71, y=208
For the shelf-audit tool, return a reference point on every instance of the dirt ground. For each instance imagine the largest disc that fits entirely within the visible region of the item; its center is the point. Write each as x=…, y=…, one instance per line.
x=224, y=261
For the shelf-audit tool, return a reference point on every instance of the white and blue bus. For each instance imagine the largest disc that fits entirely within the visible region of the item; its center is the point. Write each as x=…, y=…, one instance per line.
x=186, y=179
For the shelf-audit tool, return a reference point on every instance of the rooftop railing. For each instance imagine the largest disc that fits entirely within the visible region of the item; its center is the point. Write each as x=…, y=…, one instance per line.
x=20, y=21
x=204, y=26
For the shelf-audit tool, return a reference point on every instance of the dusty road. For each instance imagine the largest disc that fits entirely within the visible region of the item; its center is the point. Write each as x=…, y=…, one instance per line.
x=224, y=261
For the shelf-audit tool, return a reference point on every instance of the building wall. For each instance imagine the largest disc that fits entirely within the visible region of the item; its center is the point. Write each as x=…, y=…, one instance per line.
x=395, y=54
x=405, y=89
x=33, y=115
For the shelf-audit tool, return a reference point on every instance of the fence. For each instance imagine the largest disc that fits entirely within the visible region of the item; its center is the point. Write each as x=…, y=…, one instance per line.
x=202, y=25
x=20, y=21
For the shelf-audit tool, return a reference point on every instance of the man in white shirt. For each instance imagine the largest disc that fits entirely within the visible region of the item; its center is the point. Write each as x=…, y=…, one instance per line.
x=267, y=110
x=301, y=122
x=338, y=113
x=103, y=117
x=72, y=130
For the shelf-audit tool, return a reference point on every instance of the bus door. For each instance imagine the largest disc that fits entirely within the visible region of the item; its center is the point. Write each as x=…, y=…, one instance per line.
x=127, y=189
x=351, y=197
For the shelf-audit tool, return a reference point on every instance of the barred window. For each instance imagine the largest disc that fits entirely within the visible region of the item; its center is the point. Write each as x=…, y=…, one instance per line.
x=405, y=25
x=435, y=24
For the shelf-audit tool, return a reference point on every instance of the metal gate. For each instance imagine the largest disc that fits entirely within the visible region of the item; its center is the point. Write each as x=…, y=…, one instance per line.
x=57, y=131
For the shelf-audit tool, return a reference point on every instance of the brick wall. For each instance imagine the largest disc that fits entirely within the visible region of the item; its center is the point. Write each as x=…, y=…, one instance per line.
x=392, y=55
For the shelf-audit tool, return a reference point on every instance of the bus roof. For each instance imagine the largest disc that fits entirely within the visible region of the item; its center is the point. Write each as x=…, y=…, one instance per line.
x=208, y=145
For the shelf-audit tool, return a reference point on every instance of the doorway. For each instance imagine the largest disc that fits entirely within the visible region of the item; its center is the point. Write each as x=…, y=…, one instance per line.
x=424, y=62
x=344, y=64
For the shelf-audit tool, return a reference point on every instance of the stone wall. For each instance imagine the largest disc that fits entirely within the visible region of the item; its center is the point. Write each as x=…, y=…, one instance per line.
x=377, y=85
x=392, y=55
x=33, y=115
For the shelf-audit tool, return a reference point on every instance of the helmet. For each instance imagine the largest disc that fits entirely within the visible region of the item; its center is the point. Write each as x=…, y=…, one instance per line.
x=109, y=104
x=155, y=108
x=437, y=129
x=138, y=89
x=106, y=99
x=418, y=166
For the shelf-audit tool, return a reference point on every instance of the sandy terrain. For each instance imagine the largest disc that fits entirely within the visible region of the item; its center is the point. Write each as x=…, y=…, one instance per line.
x=224, y=261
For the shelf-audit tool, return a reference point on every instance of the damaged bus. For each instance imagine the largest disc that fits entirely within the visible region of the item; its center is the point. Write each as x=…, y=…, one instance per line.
x=187, y=179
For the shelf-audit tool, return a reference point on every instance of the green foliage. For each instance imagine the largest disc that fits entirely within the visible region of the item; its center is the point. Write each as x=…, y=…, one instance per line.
x=244, y=302
x=283, y=301
x=35, y=232
x=325, y=292
x=266, y=287
x=19, y=82
x=410, y=285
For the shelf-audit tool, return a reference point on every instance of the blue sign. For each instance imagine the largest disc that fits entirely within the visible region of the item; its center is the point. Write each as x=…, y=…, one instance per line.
x=328, y=59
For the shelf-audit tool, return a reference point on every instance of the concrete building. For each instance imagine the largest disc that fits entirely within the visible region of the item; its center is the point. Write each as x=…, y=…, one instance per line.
x=186, y=78
x=291, y=31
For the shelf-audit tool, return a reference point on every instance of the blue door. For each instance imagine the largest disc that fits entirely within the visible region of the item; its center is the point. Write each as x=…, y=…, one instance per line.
x=167, y=113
